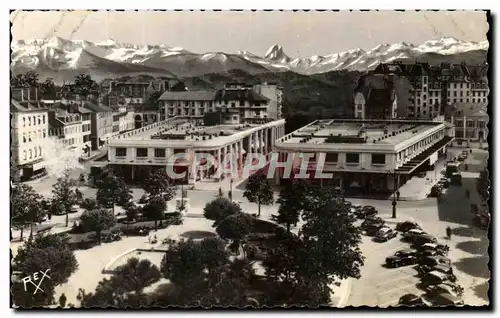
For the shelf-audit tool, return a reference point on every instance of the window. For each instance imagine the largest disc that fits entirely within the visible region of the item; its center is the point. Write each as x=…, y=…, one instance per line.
x=29, y=137
x=473, y=100
x=481, y=124
x=454, y=94
x=29, y=121
x=332, y=157
x=39, y=120
x=470, y=124
x=233, y=104
x=142, y=152
x=31, y=154
x=378, y=159
x=461, y=93
x=352, y=158
x=359, y=107
x=24, y=138
x=459, y=134
x=461, y=100
x=242, y=103
x=36, y=152
x=24, y=122
x=160, y=153
x=121, y=152
x=24, y=154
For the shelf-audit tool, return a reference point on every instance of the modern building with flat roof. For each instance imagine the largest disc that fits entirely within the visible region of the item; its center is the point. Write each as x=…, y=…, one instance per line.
x=135, y=154
x=366, y=155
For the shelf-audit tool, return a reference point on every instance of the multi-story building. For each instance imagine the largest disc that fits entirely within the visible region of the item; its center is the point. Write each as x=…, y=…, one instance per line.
x=375, y=97
x=29, y=131
x=86, y=130
x=435, y=88
x=101, y=124
x=236, y=103
x=364, y=155
x=470, y=122
x=66, y=127
x=135, y=154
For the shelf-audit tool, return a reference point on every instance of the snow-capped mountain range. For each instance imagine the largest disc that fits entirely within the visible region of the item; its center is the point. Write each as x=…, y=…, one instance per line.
x=58, y=54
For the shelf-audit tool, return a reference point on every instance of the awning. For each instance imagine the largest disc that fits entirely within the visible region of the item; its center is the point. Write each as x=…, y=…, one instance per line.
x=414, y=163
x=38, y=166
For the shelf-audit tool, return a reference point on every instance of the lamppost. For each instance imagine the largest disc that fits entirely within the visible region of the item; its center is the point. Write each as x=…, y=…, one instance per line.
x=395, y=184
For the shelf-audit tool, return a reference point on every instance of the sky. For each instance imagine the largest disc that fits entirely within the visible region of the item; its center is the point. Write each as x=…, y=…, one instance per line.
x=302, y=34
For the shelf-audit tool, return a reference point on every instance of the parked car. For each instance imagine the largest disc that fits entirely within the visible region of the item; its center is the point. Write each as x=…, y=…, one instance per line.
x=365, y=211
x=444, y=249
x=423, y=269
x=385, y=234
x=372, y=229
x=403, y=259
x=406, y=226
x=448, y=288
x=444, y=300
x=411, y=300
x=433, y=278
x=371, y=220
x=434, y=261
x=424, y=239
x=73, y=209
x=411, y=235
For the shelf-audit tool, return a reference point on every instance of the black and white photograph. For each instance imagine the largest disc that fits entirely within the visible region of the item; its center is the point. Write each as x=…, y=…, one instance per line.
x=249, y=159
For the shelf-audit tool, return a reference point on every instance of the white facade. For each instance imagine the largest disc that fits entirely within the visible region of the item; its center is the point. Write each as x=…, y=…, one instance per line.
x=136, y=148
x=86, y=129
x=395, y=153
x=236, y=107
x=29, y=131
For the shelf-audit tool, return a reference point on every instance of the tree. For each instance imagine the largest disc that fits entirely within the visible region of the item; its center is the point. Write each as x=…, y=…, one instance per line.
x=155, y=209
x=85, y=86
x=203, y=274
x=235, y=227
x=48, y=89
x=63, y=194
x=26, y=208
x=291, y=199
x=98, y=220
x=218, y=209
x=157, y=184
x=132, y=210
x=29, y=79
x=113, y=190
x=62, y=300
x=137, y=274
x=110, y=292
x=483, y=185
x=259, y=191
x=44, y=252
x=330, y=235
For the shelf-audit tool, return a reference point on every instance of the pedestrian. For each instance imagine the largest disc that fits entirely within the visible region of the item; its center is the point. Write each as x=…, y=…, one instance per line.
x=448, y=232
x=467, y=194
x=397, y=195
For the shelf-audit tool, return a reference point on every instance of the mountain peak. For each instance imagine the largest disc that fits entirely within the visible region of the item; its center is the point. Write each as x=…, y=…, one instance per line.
x=276, y=53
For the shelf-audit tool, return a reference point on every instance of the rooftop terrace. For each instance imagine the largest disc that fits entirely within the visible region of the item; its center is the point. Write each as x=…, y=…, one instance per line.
x=193, y=132
x=347, y=131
